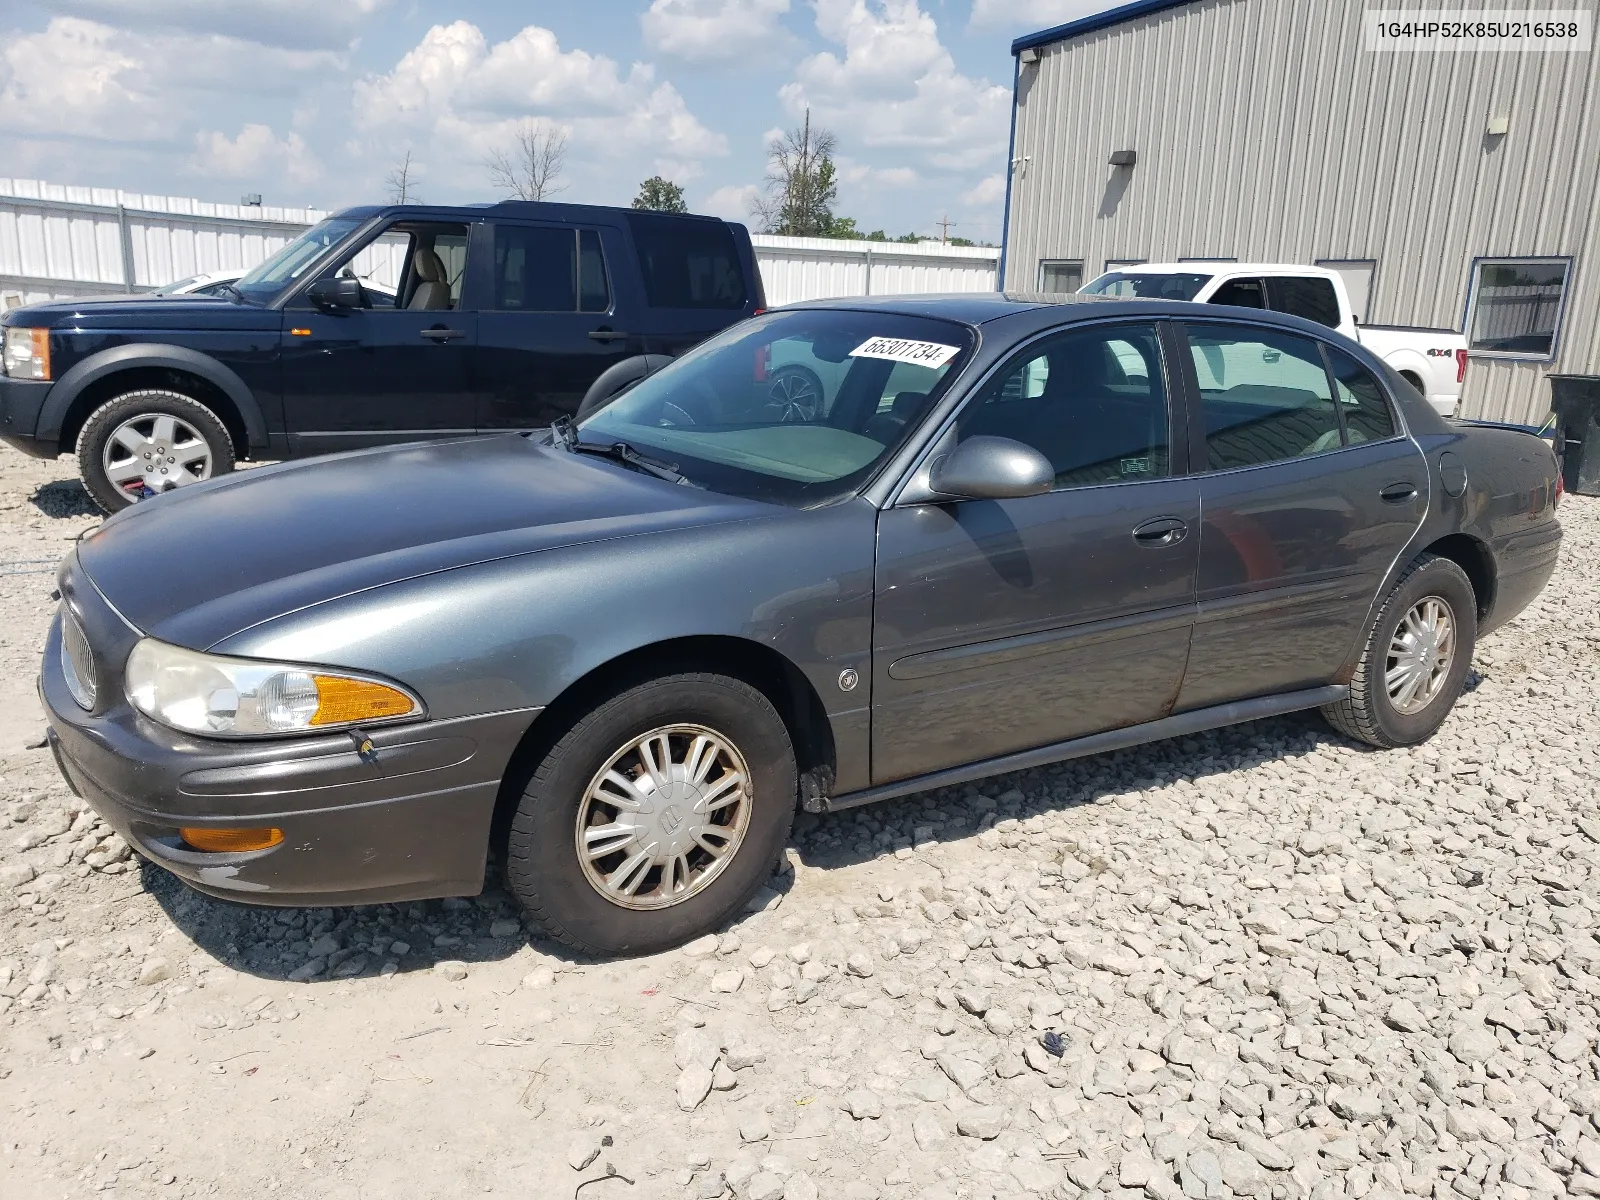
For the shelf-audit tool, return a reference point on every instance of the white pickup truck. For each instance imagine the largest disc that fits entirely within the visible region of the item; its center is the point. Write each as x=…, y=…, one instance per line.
x=1434, y=361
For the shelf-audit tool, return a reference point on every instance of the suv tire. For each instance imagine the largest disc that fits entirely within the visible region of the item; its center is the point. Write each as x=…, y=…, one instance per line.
x=1403, y=642
x=718, y=753
x=152, y=440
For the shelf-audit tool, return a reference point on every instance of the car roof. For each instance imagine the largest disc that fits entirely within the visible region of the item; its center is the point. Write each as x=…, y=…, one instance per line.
x=1216, y=267
x=542, y=210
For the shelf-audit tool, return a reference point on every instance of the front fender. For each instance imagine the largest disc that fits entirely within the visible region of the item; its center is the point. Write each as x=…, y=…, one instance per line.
x=143, y=355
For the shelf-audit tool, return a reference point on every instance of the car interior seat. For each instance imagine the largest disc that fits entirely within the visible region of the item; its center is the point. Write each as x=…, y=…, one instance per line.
x=432, y=289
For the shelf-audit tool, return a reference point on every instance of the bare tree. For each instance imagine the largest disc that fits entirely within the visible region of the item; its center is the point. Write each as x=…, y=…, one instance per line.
x=402, y=187
x=532, y=167
x=802, y=185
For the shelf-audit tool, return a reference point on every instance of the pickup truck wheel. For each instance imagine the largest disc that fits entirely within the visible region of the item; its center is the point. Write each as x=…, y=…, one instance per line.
x=1416, y=658
x=150, y=441
x=655, y=816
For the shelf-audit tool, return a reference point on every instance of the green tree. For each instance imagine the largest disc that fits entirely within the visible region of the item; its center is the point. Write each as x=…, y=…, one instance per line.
x=660, y=194
x=802, y=184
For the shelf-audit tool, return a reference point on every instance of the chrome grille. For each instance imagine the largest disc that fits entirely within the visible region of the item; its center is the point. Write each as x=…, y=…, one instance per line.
x=77, y=662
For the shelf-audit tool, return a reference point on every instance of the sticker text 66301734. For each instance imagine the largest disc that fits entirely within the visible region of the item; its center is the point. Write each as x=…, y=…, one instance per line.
x=922, y=354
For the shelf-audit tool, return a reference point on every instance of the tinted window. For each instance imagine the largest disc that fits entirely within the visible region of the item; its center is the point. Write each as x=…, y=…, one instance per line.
x=1089, y=400
x=1153, y=286
x=1264, y=396
x=1515, y=307
x=1311, y=298
x=687, y=263
x=1366, y=410
x=535, y=268
x=1241, y=293
x=594, y=293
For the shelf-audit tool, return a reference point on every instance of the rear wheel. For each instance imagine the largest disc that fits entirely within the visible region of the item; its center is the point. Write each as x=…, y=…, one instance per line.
x=147, y=442
x=655, y=817
x=1418, y=652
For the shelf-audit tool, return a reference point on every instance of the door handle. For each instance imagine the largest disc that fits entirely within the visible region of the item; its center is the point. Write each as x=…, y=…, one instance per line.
x=440, y=334
x=1399, y=493
x=606, y=335
x=1163, y=531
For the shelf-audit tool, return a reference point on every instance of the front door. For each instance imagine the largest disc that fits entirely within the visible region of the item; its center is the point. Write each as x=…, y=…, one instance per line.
x=556, y=316
x=396, y=370
x=1001, y=625
x=1308, y=501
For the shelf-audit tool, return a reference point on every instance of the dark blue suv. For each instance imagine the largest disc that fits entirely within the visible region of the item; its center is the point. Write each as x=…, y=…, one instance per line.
x=381, y=324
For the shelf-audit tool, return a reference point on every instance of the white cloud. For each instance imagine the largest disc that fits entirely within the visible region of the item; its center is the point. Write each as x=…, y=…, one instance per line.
x=293, y=24
x=896, y=86
x=991, y=189
x=1035, y=14
x=255, y=153
x=866, y=176
x=732, y=203
x=467, y=96
x=715, y=31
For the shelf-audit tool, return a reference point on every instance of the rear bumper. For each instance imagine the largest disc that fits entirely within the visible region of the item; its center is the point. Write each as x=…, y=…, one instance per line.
x=1527, y=561
x=410, y=821
x=21, y=401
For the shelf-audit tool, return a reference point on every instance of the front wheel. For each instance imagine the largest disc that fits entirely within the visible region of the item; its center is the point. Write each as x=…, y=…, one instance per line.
x=1414, y=665
x=143, y=443
x=655, y=817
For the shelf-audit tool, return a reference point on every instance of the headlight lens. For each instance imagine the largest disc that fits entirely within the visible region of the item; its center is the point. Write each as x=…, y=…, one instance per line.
x=27, y=353
x=241, y=697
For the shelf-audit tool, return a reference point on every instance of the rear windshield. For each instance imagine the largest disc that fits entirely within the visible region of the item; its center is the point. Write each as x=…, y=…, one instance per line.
x=1149, y=285
x=688, y=263
x=797, y=407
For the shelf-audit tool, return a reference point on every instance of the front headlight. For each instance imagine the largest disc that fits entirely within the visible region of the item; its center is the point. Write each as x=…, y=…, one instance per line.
x=27, y=353
x=241, y=697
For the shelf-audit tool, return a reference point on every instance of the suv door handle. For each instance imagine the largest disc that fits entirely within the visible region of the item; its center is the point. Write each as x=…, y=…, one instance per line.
x=440, y=334
x=606, y=335
x=1398, y=493
x=1163, y=531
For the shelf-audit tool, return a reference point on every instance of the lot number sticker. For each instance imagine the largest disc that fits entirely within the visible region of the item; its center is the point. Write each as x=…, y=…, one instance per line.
x=921, y=354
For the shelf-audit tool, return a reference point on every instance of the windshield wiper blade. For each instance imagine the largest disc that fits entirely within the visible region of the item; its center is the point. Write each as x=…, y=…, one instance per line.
x=563, y=434
x=238, y=296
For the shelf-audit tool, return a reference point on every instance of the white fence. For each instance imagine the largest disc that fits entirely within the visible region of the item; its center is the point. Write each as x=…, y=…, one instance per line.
x=78, y=241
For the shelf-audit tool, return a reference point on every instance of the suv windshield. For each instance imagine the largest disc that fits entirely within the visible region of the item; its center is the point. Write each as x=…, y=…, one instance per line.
x=291, y=262
x=795, y=407
x=1149, y=285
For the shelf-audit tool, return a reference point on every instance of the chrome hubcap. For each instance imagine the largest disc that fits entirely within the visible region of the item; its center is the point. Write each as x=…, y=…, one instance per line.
x=662, y=818
x=1420, y=654
x=157, y=452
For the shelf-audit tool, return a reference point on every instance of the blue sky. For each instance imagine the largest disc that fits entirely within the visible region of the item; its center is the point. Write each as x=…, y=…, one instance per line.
x=314, y=101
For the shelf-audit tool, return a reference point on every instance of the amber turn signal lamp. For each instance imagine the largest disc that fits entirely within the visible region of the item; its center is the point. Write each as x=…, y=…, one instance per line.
x=342, y=701
x=230, y=841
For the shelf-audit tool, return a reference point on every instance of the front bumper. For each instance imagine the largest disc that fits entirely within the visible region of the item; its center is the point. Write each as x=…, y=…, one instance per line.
x=408, y=821
x=21, y=401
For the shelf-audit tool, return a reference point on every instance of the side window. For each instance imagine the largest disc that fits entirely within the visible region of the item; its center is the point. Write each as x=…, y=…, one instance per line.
x=594, y=292
x=412, y=266
x=535, y=269
x=1312, y=298
x=1092, y=401
x=1367, y=417
x=1241, y=293
x=1264, y=396
x=380, y=264
x=687, y=262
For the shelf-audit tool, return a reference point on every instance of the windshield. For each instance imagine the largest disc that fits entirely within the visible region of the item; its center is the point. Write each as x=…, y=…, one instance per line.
x=291, y=262
x=796, y=407
x=1149, y=285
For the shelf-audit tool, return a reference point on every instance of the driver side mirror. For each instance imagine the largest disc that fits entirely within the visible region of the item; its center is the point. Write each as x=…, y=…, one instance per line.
x=339, y=292
x=992, y=468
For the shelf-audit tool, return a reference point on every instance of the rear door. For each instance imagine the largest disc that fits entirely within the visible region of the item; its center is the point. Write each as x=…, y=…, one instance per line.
x=1309, y=490
x=560, y=306
x=693, y=275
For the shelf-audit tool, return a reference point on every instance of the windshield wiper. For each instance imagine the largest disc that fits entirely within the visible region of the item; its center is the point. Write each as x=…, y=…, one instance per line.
x=238, y=296
x=564, y=435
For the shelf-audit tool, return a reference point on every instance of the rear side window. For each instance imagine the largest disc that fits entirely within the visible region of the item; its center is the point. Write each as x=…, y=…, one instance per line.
x=549, y=268
x=687, y=263
x=1241, y=293
x=1264, y=396
x=1366, y=410
x=1311, y=298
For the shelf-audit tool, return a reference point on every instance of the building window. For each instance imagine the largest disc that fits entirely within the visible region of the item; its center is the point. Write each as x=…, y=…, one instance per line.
x=1514, y=306
x=1116, y=264
x=1202, y=258
x=1060, y=275
x=1357, y=274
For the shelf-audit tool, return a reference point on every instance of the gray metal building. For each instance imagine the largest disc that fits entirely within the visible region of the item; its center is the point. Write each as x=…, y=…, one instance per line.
x=1451, y=190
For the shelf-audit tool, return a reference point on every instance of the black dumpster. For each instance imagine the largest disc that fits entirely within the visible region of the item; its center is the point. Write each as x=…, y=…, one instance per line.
x=1576, y=401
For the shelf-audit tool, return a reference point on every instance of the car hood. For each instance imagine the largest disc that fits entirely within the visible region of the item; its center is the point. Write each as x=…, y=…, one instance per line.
x=145, y=312
x=199, y=564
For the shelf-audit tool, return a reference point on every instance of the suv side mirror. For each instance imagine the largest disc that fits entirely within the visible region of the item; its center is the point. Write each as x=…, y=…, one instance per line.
x=992, y=468
x=339, y=292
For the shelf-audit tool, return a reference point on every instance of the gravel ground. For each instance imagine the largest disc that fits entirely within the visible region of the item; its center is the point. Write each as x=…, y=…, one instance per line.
x=1263, y=962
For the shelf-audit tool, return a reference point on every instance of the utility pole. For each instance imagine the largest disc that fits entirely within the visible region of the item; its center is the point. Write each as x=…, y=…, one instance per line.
x=944, y=228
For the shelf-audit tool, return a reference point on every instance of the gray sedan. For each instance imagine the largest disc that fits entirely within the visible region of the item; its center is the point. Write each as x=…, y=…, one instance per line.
x=620, y=654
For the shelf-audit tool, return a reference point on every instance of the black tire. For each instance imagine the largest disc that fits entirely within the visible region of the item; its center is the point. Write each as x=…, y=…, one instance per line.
x=542, y=859
x=130, y=406
x=1369, y=714
x=617, y=377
